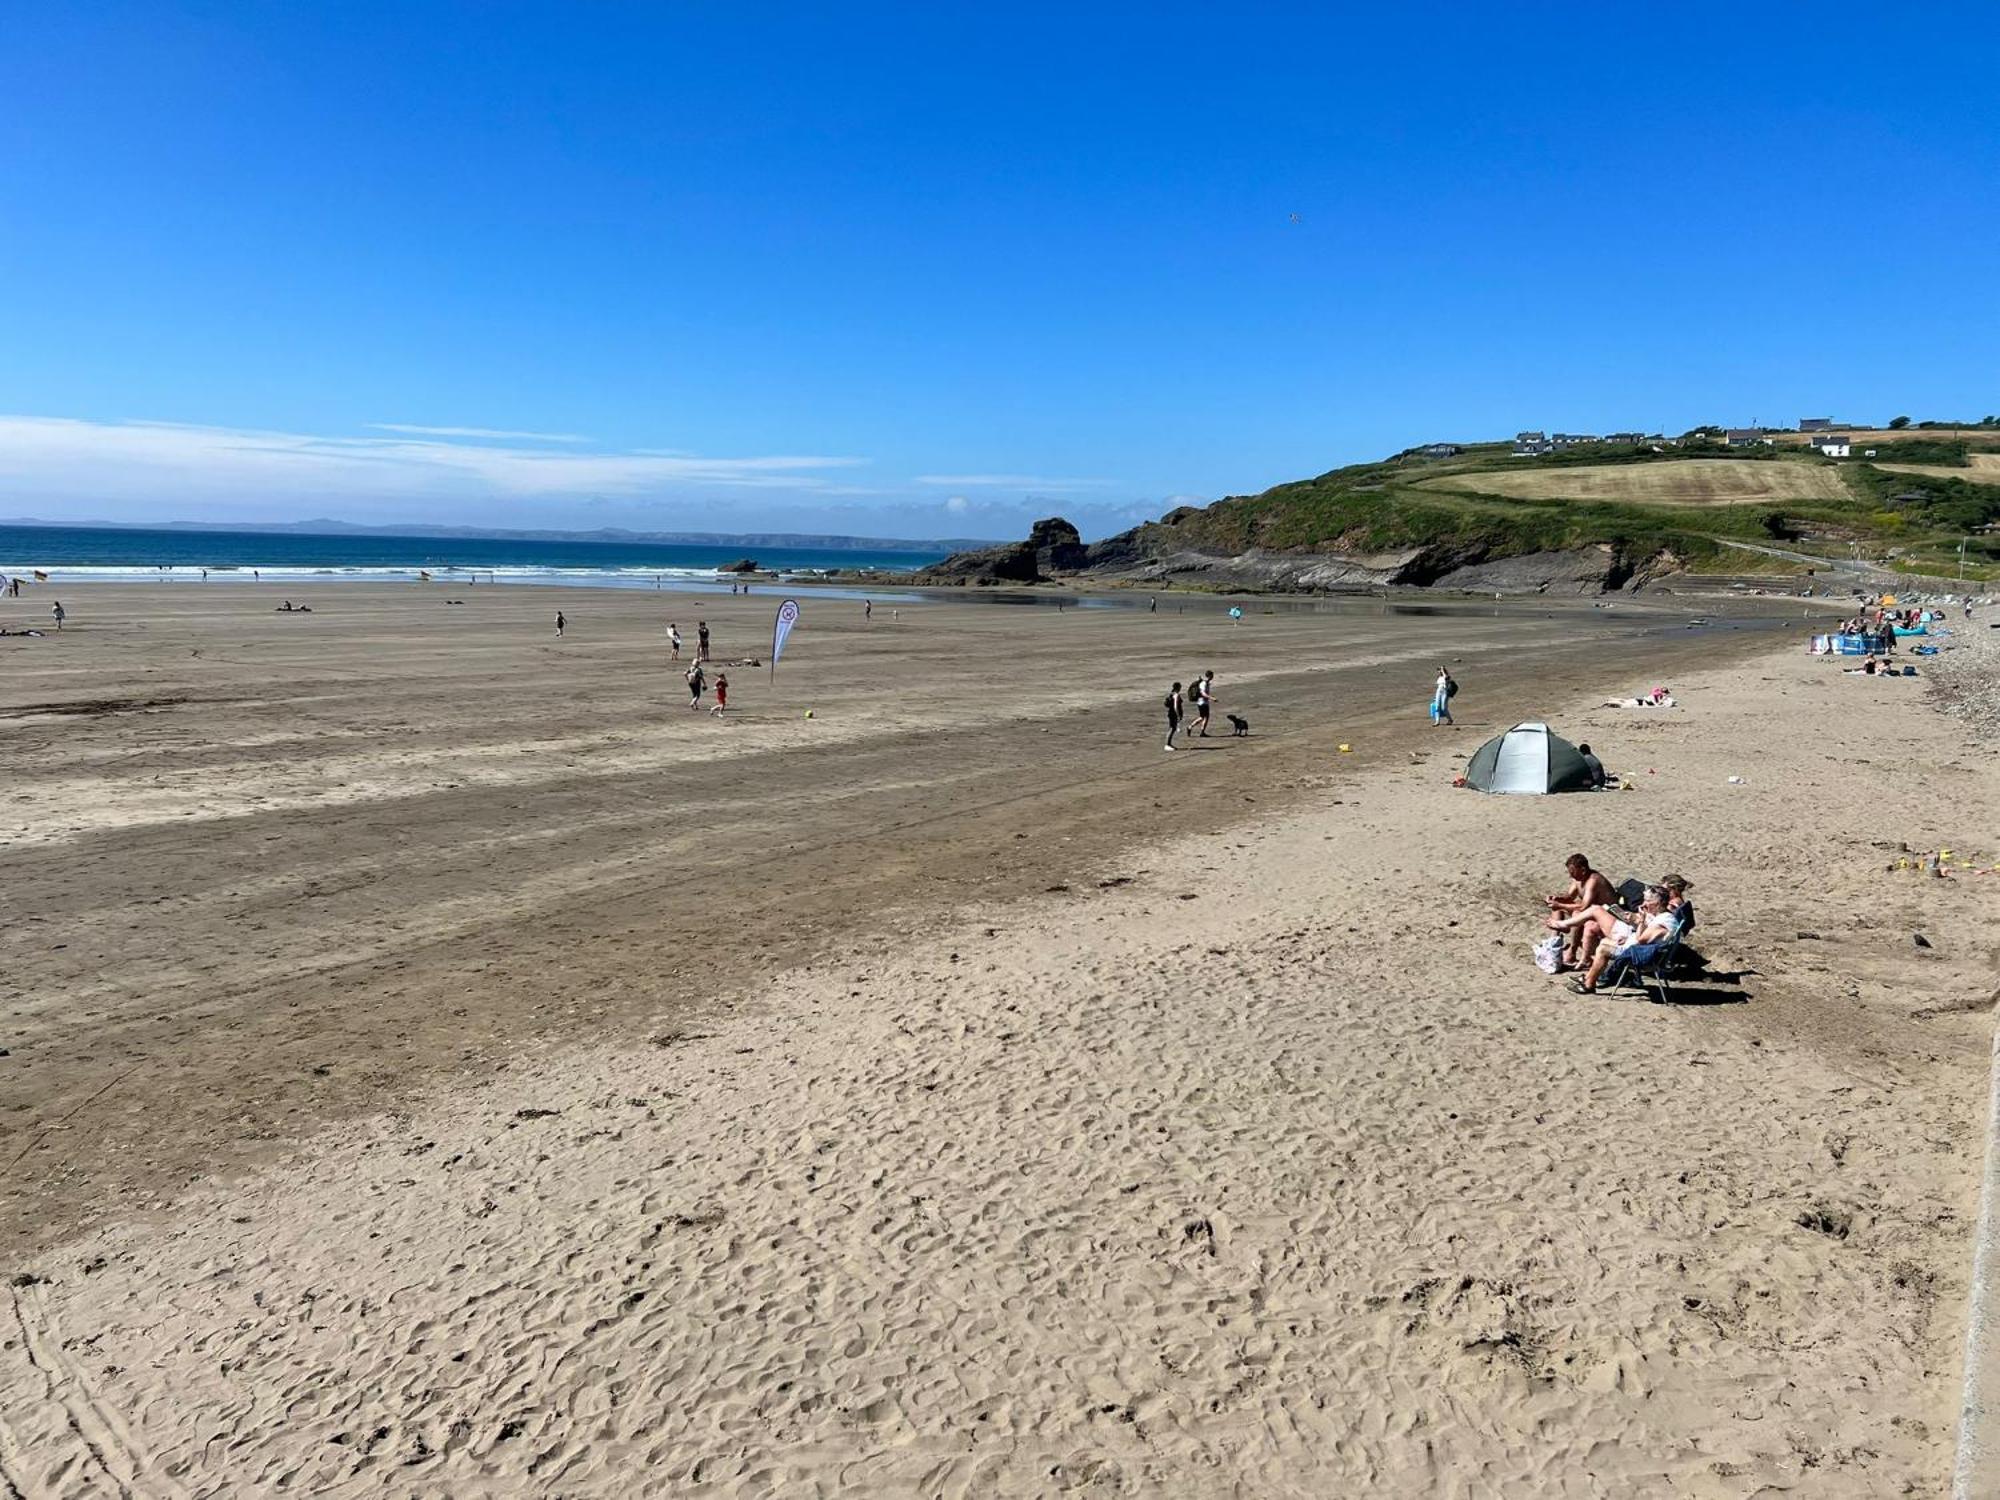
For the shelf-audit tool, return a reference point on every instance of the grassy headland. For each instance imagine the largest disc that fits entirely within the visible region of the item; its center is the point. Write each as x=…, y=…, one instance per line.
x=1694, y=507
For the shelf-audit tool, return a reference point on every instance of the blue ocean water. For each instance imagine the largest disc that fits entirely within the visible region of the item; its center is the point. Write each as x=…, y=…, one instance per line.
x=84, y=554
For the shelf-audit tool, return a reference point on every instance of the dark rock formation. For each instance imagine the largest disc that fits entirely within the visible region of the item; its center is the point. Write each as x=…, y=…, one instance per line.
x=1053, y=546
x=745, y=566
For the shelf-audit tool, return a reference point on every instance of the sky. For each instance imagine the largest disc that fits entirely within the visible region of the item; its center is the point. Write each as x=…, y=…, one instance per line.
x=938, y=270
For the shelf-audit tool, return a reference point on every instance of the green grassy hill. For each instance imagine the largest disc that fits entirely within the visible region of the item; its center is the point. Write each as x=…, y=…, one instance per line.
x=1680, y=508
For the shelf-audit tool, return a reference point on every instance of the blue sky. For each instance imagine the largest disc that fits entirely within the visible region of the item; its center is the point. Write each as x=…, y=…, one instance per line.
x=932, y=270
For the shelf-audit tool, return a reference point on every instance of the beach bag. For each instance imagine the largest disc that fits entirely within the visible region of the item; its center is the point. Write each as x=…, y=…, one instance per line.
x=1451, y=687
x=1549, y=954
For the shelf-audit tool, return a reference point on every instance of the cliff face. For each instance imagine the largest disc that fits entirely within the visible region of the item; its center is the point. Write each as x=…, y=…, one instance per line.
x=1593, y=569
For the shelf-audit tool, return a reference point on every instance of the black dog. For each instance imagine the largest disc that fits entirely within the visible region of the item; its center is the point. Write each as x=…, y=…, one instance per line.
x=1238, y=725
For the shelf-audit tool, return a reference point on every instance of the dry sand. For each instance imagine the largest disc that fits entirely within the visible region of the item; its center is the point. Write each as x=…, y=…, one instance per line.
x=973, y=1100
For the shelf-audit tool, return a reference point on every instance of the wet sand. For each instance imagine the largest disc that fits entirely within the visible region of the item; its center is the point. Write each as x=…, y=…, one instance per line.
x=438, y=1059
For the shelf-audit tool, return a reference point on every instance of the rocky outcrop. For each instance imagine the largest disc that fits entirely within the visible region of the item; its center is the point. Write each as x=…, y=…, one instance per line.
x=1583, y=570
x=1053, y=547
x=747, y=565
x=1158, y=555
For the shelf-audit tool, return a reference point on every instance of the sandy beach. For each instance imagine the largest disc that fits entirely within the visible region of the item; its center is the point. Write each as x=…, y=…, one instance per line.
x=439, y=1063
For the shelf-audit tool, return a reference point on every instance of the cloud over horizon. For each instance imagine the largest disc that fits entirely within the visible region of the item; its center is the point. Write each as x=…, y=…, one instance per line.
x=136, y=471
x=1012, y=482
x=63, y=458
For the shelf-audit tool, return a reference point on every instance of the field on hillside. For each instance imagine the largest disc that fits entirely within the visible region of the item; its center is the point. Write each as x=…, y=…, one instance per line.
x=1872, y=436
x=1690, y=482
x=1985, y=469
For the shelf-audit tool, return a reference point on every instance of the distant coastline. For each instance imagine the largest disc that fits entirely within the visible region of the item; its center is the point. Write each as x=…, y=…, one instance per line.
x=608, y=535
x=114, y=554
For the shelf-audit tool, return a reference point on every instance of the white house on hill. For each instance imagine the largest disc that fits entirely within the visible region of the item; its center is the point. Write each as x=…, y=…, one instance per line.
x=1832, y=444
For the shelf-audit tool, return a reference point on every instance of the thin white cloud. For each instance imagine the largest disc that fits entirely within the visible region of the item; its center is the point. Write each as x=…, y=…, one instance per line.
x=1012, y=482
x=63, y=458
x=475, y=432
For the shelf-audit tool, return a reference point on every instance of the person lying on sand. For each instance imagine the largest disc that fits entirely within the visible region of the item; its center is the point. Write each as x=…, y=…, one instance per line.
x=1610, y=932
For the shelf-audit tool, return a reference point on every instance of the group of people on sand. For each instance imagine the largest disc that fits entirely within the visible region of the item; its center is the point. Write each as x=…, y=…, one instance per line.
x=1195, y=704
x=1597, y=928
x=696, y=675
x=700, y=640
x=697, y=681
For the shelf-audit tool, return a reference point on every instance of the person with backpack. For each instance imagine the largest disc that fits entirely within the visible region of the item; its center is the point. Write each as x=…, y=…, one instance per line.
x=1441, y=697
x=1173, y=714
x=1203, y=688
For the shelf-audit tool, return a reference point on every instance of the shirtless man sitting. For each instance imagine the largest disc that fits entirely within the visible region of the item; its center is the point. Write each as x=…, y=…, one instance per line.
x=1587, y=888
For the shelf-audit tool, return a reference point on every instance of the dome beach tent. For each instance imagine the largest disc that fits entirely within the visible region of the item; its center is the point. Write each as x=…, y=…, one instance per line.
x=1528, y=760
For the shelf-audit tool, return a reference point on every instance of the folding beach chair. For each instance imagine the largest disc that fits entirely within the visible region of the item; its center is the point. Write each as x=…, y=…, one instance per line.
x=1657, y=970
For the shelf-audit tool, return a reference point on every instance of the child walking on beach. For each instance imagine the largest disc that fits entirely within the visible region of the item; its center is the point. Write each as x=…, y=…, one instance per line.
x=1173, y=714
x=721, y=695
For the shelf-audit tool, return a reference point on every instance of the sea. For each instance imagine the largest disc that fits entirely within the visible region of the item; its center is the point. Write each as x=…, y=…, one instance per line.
x=118, y=554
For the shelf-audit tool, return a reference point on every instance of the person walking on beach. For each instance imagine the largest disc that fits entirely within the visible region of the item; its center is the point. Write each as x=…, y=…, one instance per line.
x=701, y=640
x=696, y=682
x=721, y=695
x=561, y=623
x=1152, y=604
x=58, y=613
x=674, y=639
x=1203, y=688
x=1441, y=695
x=867, y=609
x=1173, y=714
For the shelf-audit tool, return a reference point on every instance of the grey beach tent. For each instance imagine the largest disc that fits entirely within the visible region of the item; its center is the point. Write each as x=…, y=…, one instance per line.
x=1528, y=760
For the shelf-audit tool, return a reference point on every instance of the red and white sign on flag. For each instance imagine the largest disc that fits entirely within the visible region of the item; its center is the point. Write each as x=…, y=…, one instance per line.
x=788, y=616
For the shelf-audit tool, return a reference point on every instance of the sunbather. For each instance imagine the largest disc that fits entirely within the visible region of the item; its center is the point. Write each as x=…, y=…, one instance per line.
x=1637, y=936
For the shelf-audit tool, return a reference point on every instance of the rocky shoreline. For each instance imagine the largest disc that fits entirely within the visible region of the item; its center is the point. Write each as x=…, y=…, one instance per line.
x=1965, y=675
